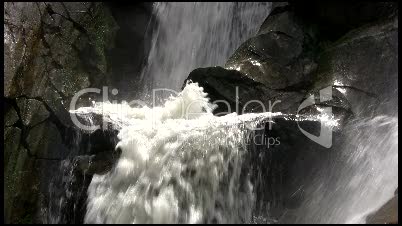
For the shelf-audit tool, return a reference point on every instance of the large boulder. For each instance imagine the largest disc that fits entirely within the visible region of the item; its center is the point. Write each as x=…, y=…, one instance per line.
x=289, y=60
x=281, y=55
x=294, y=58
x=362, y=65
x=234, y=92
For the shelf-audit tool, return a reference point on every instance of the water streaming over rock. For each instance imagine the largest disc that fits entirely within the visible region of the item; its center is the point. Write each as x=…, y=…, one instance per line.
x=175, y=169
x=182, y=164
x=359, y=177
x=189, y=35
x=179, y=164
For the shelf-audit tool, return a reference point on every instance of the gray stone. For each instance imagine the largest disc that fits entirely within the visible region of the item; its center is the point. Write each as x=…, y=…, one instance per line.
x=281, y=55
x=22, y=22
x=363, y=65
x=57, y=105
x=45, y=142
x=241, y=92
x=11, y=117
x=19, y=186
x=12, y=138
x=284, y=23
x=32, y=111
x=52, y=50
x=67, y=81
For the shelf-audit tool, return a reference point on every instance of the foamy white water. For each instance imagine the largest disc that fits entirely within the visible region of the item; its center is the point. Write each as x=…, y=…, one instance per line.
x=175, y=167
x=182, y=164
x=186, y=168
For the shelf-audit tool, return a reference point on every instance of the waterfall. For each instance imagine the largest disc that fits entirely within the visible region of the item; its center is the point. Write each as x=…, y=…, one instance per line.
x=179, y=164
x=359, y=177
x=181, y=172
x=182, y=164
x=189, y=35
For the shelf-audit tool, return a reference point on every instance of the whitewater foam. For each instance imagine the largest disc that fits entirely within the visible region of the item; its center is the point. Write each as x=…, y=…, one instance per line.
x=179, y=164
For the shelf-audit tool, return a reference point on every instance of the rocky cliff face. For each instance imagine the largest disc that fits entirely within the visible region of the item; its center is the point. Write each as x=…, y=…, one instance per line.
x=53, y=50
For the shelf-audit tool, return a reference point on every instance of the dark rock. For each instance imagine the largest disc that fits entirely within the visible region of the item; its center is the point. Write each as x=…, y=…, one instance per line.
x=131, y=46
x=334, y=19
x=292, y=59
x=12, y=138
x=44, y=141
x=282, y=20
x=264, y=59
x=234, y=92
x=100, y=163
x=67, y=81
x=20, y=185
x=285, y=57
x=58, y=106
x=52, y=50
x=93, y=122
x=242, y=93
x=46, y=172
x=20, y=22
x=363, y=66
x=11, y=117
x=386, y=214
x=281, y=55
x=60, y=48
x=280, y=158
x=32, y=111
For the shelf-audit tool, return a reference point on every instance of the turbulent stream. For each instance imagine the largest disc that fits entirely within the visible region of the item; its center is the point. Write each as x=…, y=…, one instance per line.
x=181, y=164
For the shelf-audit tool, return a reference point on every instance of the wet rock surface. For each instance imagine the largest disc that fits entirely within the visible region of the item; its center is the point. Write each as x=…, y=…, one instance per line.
x=32, y=111
x=11, y=117
x=295, y=57
x=281, y=55
x=241, y=92
x=45, y=142
x=275, y=164
x=53, y=50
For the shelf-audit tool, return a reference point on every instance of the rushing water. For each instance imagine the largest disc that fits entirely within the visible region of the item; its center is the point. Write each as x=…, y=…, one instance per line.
x=360, y=175
x=187, y=168
x=182, y=164
x=189, y=35
x=179, y=164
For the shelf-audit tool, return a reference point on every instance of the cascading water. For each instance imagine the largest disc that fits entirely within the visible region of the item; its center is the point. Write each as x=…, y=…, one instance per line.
x=187, y=168
x=179, y=164
x=189, y=35
x=359, y=177
x=182, y=164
